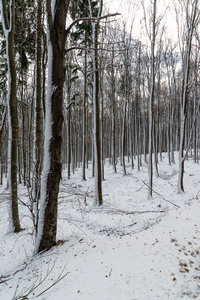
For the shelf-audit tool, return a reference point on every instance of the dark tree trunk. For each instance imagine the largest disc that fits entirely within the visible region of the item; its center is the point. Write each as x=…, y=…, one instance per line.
x=47, y=227
x=39, y=113
x=97, y=142
x=84, y=114
x=9, y=30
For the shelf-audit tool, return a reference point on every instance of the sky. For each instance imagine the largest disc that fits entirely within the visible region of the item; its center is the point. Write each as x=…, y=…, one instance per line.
x=132, y=10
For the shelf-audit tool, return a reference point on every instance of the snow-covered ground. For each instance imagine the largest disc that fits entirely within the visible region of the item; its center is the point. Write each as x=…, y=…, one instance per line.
x=130, y=248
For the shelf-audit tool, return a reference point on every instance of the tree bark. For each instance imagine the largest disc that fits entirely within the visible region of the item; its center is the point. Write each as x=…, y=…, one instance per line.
x=98, y=199
x=38, y=108
x=56, y=20
x=9, y=30
x=84, y=112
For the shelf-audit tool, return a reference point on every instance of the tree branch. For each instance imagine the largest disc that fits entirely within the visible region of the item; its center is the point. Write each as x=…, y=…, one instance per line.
x=89, y=19
x=3, y=124
x=76, y=48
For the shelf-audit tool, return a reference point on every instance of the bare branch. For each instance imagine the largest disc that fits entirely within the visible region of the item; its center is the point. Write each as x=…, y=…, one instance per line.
x=3, y=123
x=54, y=283
x=89, y=19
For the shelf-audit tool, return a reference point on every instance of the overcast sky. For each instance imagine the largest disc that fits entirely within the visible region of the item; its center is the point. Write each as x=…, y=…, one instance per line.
x=132, y=9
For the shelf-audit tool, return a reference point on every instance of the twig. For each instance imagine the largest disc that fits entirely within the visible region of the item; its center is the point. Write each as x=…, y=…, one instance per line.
x=110, y=272
x=34, y=286
x=4, y=277
x=130, y=225
x=139, y=189
x=55, y=282
x=19, y=270
x=197, y=195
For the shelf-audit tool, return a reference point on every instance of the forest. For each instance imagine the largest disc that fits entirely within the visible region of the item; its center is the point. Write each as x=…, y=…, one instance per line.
x=89, y=94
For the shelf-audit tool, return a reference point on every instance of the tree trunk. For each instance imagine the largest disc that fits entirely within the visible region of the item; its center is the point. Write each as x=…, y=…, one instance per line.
x=151, y=103
x=102, y=123
x=9, y=30
x=47, y=227
x=84, y=114
x=184, y=95
x=113, y=113
x=98, y=199
x=124, y=112
x=38, y=108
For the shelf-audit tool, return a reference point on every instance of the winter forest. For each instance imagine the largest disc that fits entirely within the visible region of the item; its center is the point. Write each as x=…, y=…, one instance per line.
x=99, y=149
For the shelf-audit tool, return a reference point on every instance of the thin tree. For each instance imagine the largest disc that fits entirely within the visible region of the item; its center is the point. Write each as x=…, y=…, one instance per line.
x=97, y=143
x=8, y=22
x=113, y=126
x=151, y=101
x=184, y=95
x=38, y=109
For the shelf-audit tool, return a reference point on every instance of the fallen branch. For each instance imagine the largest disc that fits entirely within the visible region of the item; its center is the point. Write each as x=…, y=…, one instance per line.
x=161, y=196
x=34, y=286
x=141, y=212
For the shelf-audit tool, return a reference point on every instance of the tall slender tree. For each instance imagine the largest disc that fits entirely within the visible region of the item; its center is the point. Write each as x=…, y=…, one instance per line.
x=190, y=19
x=8, y=21
x=38, y=110
x=97, y=143
x=83, y=34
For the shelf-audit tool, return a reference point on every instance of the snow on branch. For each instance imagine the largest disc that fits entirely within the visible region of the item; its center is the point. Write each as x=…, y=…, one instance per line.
x=89, y=19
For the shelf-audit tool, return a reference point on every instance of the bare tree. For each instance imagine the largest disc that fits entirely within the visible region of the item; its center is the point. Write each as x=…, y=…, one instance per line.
x=97, y=143
x=8, y=22
x=190, y=19
x=151, y=100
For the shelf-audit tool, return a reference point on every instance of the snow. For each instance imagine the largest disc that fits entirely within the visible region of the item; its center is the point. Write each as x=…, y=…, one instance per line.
x=130, y=248
x=53, y=8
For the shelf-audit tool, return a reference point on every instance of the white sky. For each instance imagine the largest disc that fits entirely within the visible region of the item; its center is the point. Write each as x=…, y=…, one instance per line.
x=132, y=9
